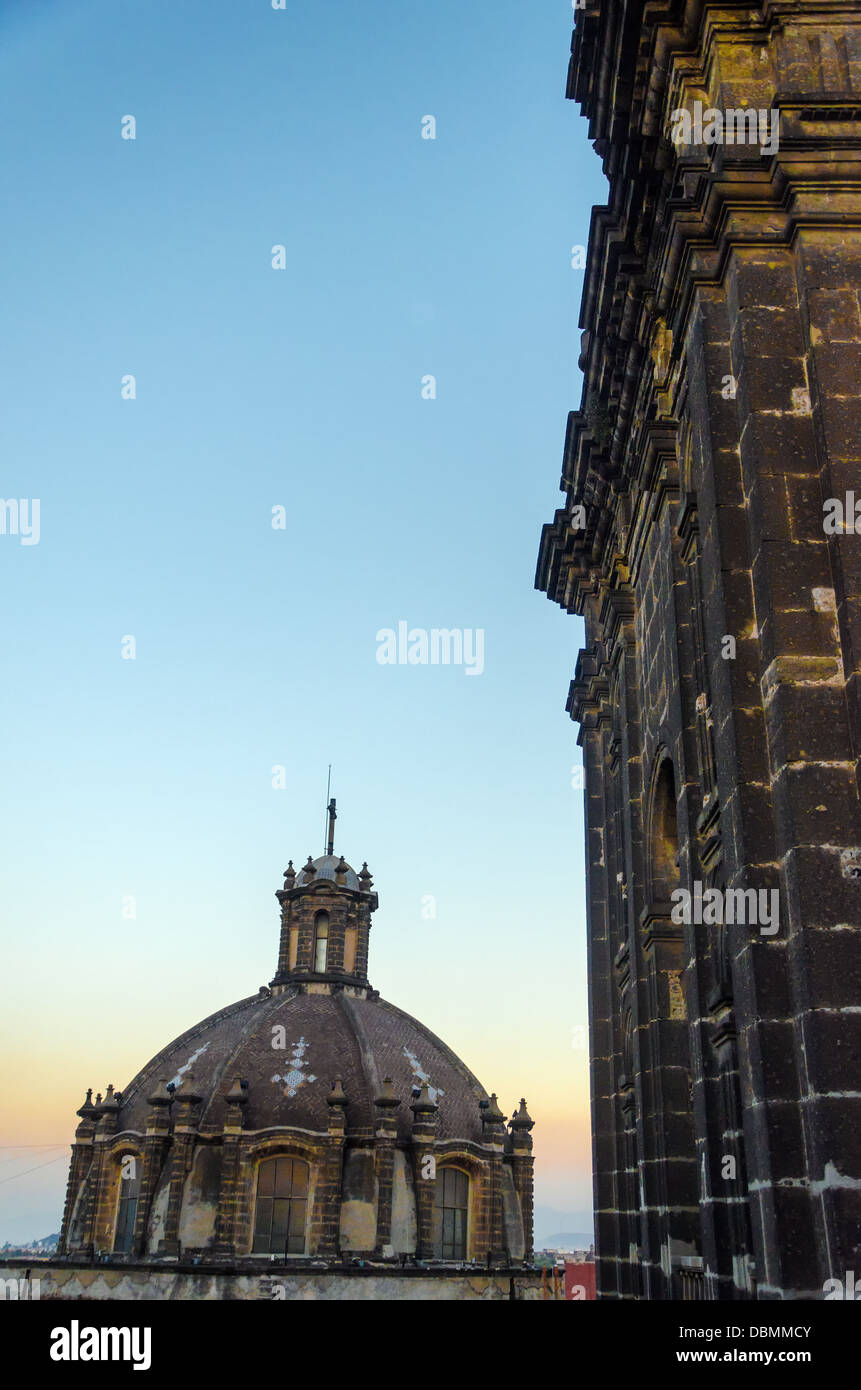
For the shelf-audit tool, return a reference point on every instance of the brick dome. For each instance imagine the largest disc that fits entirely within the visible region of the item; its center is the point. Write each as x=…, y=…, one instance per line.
x=312, y=1120
x=291, y=1046
x=324, y=870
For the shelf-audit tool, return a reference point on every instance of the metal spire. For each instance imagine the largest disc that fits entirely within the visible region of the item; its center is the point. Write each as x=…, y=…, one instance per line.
x=331, y=816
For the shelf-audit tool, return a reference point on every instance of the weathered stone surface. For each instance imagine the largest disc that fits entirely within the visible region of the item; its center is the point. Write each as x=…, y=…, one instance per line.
x=718, y=691
x=76, y=1283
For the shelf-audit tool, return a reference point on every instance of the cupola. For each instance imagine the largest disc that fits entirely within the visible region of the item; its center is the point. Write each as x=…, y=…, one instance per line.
x=325, y=922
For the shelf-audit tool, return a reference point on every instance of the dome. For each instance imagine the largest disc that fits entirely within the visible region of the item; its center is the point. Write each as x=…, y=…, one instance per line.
x=289, y=1048
x=325, y=867
x=311, y=1121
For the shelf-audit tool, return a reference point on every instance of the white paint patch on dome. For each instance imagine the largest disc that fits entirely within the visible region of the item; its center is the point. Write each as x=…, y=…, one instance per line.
x=296, y=1077
x=418, y=1071
x=175, y=1080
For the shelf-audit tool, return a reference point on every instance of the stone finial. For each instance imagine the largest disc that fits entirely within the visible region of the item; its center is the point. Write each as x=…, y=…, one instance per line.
x=289, y=876
x=309, y=870
x=159, y=1095
x=186, y=1094
x=365, y=879
x=423, y=1105
x=238, y=1093
x=387, y=1099
x=337, y=1097
x=491, y=1113
x=521, y=1119
x=87, y=1107
x=107, y=1111
x=341, y=870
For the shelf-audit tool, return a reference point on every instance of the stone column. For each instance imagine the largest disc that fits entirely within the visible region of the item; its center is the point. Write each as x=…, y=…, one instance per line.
x=155, y=1146
x=385, y=1137
x=425, y=1116
x=231, y=1143
x=81, y=1162
x=670, y=1167
x=522, y=1163
x=106, y=1111
x=326, y=1224
x=608, y=929
x=493, y=1125
x=184, y=1134
x=732, y=1253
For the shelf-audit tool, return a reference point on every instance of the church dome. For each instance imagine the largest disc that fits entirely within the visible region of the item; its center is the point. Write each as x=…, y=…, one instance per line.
x=324, y=870
x=312, y=1120
x=290, y=1048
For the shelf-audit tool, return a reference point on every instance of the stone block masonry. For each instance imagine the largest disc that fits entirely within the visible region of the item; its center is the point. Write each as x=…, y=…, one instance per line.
x=719, y=690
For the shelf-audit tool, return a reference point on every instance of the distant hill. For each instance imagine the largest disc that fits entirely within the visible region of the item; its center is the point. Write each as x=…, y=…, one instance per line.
x=552, y=1226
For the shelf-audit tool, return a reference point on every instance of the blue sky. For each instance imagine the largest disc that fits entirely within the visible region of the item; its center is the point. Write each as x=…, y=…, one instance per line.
x=256, y=648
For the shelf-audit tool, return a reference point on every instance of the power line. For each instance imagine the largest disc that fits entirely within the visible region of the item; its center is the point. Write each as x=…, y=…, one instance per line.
x=14, y=1157
x=32, y=1170
x=16, y=1150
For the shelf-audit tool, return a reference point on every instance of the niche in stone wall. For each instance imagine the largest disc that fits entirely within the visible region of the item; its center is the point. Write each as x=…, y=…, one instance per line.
x=359, y=1196
x=200, y=1199
x=669, y=1131
x=404, y=1230
x=512, y=1218
x=663, y=857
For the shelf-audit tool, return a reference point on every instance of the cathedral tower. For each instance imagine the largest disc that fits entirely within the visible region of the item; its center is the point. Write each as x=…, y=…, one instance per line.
x=711, y=540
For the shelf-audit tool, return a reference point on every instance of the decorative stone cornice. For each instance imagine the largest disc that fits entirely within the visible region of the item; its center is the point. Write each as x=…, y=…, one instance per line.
x=673, y=215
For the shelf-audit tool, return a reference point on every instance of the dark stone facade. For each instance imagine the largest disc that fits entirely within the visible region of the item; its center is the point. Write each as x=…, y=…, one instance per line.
x=719, y=690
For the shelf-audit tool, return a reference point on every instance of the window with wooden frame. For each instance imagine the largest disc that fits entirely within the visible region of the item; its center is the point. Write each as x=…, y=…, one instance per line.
x=127, y=1205
x=281, y=1208
x=451, y=1214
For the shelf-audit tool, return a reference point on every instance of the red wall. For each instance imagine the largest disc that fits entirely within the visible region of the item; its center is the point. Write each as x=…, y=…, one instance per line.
x=579, y=1281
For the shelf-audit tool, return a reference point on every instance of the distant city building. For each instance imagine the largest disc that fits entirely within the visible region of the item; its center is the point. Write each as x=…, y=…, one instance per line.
x=41, y=1249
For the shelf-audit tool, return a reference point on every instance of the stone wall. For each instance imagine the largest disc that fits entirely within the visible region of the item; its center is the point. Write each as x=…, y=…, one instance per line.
x=76, y=1282
x=718, y=690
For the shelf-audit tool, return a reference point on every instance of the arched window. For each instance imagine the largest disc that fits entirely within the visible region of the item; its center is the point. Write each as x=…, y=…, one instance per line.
x=452, y=1207
x=321, y=941
x=127, y=1206
x=282, y=1200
